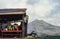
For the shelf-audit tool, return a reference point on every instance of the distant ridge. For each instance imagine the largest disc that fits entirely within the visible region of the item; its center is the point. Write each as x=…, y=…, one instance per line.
x=40, y=26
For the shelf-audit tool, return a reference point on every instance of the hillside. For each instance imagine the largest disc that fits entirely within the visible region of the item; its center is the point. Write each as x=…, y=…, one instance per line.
x=42, y=27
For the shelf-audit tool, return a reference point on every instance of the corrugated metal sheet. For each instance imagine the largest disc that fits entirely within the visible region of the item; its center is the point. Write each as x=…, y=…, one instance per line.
x=12, y=10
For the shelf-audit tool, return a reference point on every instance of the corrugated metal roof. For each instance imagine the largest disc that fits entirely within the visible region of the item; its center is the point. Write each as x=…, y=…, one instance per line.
x=12, y=10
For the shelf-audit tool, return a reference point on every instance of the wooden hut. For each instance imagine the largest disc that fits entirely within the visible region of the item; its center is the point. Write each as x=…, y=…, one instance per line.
x=13, y=22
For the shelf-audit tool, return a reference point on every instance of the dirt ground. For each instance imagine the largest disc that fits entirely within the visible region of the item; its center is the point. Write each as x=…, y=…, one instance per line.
x=19, y=38
x=16, y=38
x=13, y=38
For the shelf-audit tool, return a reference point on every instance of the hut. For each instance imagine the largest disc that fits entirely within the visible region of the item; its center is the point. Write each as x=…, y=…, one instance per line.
x=13, y=22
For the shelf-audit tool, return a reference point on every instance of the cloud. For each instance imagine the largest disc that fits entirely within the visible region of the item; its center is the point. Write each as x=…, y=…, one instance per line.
x=40, y=9
x=32, y=2
x=36, y=9
x=54, y=13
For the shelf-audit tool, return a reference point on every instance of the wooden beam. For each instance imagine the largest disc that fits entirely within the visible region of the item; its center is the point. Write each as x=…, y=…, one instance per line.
x=12, y=13
x=23, y=28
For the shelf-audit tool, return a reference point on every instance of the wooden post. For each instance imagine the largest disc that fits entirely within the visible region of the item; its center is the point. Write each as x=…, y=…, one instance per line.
x=23, y=28
x=26, y=24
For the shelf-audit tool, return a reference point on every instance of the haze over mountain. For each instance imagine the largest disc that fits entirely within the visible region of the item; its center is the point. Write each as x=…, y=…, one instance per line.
x=42, y=27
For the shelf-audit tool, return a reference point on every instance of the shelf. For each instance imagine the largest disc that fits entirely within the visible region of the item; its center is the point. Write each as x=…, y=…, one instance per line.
x=11, y=30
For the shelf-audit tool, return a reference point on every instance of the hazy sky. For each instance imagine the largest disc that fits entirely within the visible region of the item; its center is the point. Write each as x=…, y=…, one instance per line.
x=48, y=10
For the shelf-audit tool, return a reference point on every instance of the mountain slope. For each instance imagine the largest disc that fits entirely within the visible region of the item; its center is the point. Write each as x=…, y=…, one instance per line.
x=40, y=26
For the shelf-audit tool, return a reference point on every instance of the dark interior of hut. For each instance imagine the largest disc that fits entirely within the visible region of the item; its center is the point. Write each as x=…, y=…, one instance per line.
x=10, y=22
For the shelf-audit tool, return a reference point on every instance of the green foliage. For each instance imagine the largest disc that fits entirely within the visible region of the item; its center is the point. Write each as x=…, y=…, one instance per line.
x=49, y=37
